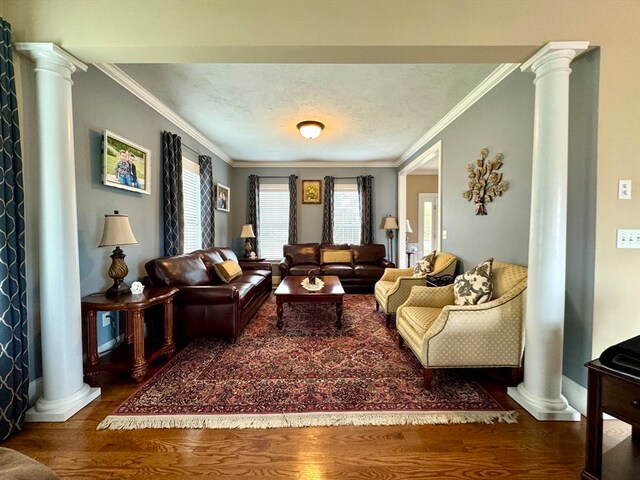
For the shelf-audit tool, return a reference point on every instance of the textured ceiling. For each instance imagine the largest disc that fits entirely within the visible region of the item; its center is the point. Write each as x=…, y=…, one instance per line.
x=370, y=112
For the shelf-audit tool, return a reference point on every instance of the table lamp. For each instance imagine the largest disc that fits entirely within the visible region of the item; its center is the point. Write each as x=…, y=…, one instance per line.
x=247, y=233
x=390, y=224
x=408, y=230
x=116, y=232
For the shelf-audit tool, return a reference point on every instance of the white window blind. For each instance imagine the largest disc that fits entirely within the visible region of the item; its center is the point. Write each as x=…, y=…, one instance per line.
x=191, y=205
x=273, y=231
x=346, y=214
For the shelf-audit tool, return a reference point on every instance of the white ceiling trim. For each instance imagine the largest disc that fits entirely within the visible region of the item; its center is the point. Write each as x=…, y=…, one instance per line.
x=134, y=87
x=318, y=164
x=476, y=94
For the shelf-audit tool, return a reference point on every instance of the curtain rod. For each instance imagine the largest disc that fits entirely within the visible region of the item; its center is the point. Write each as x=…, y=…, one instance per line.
x=189, y=148
x=272, y=176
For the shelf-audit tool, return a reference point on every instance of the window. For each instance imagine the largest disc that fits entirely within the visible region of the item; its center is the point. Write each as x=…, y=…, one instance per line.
x=273, y=231
x=346, y=214
x=191, y=206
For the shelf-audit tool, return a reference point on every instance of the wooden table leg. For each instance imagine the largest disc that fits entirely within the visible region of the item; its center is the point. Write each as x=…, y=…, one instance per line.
x=128, y=329
x=339, y=314
x=279, y=310
x=139, y=366
x=593, y=464
x=91, y=343
x=168, y=328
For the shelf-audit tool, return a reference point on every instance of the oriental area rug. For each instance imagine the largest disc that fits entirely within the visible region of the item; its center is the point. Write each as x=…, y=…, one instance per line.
x=307, y=374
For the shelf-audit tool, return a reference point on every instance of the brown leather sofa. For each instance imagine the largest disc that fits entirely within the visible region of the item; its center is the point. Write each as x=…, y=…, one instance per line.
x=205, y=306
x=365, y=269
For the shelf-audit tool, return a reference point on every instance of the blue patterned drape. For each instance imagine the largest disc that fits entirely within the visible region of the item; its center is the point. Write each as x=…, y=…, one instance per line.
x=365, y=195
x=327, y=211
x=253, y=211
x=293, y=209
x=207, y=220
x=14, y=362
x=173, y=200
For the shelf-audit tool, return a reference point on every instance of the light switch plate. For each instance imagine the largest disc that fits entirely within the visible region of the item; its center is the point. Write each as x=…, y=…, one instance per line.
x=628, y=238
x=624, y=190
x=444, y=234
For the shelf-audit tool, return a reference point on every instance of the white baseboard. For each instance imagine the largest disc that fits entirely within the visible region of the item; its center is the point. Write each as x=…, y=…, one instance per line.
x=575, y=394
x=106, y=347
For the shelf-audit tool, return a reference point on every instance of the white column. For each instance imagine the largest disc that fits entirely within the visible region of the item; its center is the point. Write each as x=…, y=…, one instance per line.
x=540, y=393
x=64, y=392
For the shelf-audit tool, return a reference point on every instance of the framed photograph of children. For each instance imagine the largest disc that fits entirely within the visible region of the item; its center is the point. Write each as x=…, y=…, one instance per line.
x=125, y=164
x=312, y=191
x=223, y=197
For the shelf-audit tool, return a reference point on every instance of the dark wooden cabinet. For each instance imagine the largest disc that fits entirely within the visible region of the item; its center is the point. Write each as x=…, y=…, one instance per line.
x=617, y=394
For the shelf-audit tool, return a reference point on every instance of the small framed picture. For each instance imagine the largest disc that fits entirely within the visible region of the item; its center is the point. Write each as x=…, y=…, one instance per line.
x=312, y=191
x=223, y=197
x=125, y=164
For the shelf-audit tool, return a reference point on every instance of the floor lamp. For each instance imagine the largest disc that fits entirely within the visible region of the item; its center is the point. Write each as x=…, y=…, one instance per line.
x=390, y=224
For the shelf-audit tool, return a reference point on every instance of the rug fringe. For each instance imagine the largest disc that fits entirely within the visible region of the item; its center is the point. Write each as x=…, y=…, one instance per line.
x=118, y=422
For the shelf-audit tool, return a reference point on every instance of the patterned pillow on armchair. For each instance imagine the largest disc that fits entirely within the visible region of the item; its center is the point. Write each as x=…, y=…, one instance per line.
x=474, y=287
x=424, y=266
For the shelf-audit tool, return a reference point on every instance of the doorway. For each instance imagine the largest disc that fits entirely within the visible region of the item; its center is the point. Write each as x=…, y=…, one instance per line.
x=431, y=159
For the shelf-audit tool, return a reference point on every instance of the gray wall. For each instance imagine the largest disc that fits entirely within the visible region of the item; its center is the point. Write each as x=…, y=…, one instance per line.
x=581, y=221
x=503, y=121
x=98, y=104
x=310, y=216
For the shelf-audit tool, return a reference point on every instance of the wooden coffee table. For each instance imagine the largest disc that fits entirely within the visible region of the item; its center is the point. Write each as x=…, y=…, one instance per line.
x=290, y=291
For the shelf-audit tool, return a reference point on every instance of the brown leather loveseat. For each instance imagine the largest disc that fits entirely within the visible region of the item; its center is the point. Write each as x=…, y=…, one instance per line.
x=357, y=266
x=205, y=306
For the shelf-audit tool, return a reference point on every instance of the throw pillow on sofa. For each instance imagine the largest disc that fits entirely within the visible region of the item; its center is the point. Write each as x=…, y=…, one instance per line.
x=474, y=286
x=227, y=270
x=335, y=256
x=424, y=266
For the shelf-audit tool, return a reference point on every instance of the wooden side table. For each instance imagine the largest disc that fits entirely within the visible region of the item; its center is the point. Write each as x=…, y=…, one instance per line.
x=135, y=360
x=618, y=394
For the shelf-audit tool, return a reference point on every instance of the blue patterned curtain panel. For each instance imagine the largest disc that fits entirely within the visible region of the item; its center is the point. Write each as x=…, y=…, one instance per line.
x=293, y=209
x=207, y=219
x=327, y=211
x=173, y=199
x=14, y=362
x=253, y=211
x=365, y=195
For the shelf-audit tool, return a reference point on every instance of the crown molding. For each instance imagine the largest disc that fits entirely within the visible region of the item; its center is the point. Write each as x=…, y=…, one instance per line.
x=314, y=164
x=139, y=91
x=494, y=78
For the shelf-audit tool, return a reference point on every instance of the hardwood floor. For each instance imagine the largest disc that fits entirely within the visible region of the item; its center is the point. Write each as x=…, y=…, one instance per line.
x=526, y=450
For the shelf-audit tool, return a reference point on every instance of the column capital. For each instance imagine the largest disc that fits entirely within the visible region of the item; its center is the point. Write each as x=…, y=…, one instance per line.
x=552, y=51
x=50, y=52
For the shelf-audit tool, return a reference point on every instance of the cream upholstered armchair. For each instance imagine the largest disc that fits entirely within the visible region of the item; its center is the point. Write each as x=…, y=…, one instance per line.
x=444, y=335
x=394, y=286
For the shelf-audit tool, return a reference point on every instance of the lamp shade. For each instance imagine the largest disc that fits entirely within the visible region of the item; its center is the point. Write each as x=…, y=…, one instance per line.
x=390, y=223
x=409, y=227
x=247, y=231
x=310, y=129
x=117, y=231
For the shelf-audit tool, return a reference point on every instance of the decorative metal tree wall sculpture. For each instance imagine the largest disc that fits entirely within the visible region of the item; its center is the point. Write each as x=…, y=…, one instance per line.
x=485, y=182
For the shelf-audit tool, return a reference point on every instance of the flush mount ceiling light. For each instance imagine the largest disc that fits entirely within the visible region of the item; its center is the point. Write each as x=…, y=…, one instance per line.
x=310, y=129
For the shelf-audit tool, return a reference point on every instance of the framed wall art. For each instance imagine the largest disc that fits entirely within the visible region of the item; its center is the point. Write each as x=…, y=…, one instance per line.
x=223, y=197
x=312, y=191
x=125, y=164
